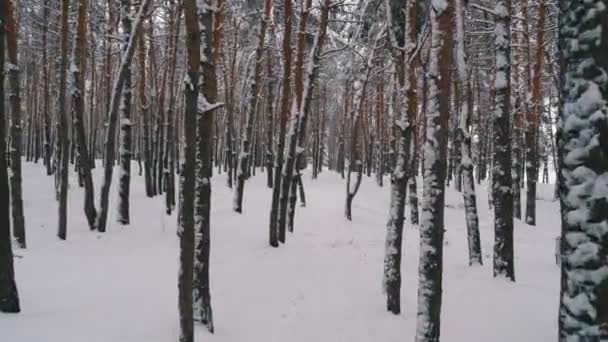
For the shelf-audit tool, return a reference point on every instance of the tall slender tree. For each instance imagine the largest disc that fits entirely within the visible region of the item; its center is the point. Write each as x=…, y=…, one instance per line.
x=125, y=135
x=16, y=124
x=501, y=171
x=110, y=153
x=432, y=218
x=77, y=94
x=204, y=135
x=252, y=97
x=465, y=109
x=188, y=176
x=62, y=129
x=283, y=113
x=9, y=297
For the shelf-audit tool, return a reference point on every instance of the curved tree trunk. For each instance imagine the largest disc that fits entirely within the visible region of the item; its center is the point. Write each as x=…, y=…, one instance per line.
x=109, y=156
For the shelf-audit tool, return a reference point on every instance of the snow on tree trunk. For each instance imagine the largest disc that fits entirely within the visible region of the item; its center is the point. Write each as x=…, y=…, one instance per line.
x=501, y=171
x=252, y=99
x=464, y=137
x=428, y=325
x=202, y=218
x=399, y=176
x=124, y=175
x=77, y=91
x=109, y=155
x=299, y=114
x=186, y=230
x=15, y=145
x=273, y=237
x=9, y=297
x=584, y=169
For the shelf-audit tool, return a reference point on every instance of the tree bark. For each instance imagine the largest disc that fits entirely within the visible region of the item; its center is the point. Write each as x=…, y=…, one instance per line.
x=501, y=172
x=274, y=232
x=584, y=170
x=430, y=278
x=15, y=145
x=202, y=297
x=109, y=155
x=78, y=113
x=9, y=297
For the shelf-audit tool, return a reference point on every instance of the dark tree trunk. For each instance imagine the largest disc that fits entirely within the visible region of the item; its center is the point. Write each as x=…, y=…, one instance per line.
x=126, y=145
x=63, y=143
x=501, y=174
x=274, y=232
x=202, y=296
x=9, y=298
x=15, y=146
x=109, y=156
x=78, y=115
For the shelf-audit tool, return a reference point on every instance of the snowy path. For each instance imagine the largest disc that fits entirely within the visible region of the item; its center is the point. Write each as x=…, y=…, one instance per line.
x=324, y=285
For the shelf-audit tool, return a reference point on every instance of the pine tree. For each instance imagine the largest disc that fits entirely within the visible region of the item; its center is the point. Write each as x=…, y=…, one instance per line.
x=125, y=135
x=283, y=113
x=464, y=137
x=9, y=298
x=202, y=206
x=432, y=217
x=188, y=176
x=501, y=172
x=583, y=312
x=77, y=94
x=115, y=100
x=16, y=129
x=62, y=153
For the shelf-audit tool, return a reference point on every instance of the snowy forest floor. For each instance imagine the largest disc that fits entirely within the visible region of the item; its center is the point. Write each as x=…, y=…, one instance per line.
x=323, y=285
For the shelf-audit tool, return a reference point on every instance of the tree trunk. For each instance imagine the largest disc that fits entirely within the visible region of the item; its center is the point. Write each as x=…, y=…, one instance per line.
x=501, y=172
x=246, y=150
x=399, y=177
x=274, y=232
x=204, y=167
x=63, y=143
x=9, y=297
x=584, y=170
x=144, y=110
x=109, y=156
x=432, y=225
x=78, y=114
x=465, y=109
x=125, y=152
x=15, y=127
x=533, y=120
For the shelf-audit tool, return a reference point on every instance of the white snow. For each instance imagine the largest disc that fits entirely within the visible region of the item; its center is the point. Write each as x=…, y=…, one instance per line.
x=323, y=285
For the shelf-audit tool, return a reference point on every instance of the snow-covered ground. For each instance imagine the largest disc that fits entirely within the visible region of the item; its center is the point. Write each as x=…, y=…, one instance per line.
x=323, y=285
